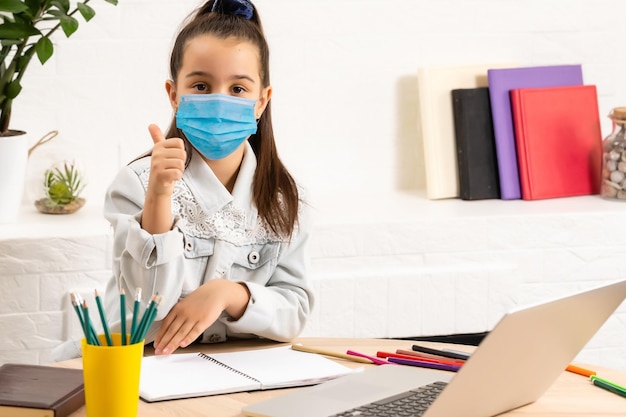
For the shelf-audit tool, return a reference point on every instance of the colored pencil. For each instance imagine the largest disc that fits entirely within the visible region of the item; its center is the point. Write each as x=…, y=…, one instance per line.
x=331, y=353
x=146, y=320
x=88, y=333
x=608, y=385
x=103, y=319
x=123, y=315
x=377, y=361
x=136, y=307
x=439, y=352
x=427, y=355
x=580, y=371
x=76, y=304
x=424, y=364
x=151, y=318
x=413, y=357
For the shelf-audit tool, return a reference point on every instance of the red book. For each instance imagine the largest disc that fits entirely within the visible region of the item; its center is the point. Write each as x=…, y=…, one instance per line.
x=558, y=140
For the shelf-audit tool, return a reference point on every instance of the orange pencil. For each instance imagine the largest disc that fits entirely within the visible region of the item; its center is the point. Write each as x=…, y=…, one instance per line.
x=580, y=371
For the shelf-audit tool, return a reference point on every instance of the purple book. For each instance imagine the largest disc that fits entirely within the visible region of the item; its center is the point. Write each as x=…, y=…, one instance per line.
x=501, y=82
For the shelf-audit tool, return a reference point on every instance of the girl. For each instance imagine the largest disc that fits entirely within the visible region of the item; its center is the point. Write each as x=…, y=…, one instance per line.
x=211, y=220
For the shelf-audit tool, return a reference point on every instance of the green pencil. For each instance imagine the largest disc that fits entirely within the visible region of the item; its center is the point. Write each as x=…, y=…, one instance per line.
x=76, y=304
x=88, y=332
x=136, y=307
x=139, y=330
x=141, y=327
x=151, y=318
x=608, y=385
x=123, y=314
x=103, y=318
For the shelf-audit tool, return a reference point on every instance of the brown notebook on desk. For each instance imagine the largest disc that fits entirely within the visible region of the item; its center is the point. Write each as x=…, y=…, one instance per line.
x=40, y=391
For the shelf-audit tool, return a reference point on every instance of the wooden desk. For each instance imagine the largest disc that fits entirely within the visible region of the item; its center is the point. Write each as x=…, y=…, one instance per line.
x=570, y=395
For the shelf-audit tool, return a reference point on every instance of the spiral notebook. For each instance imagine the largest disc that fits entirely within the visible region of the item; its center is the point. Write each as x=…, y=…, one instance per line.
x=187, y=375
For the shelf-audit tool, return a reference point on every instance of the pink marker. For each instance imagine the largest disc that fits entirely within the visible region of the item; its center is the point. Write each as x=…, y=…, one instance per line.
x=374, y=359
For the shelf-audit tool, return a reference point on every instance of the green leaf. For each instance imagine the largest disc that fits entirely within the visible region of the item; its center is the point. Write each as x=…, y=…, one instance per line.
x=17, y=31
x=44, y=49
x=59, y=193
x=13, y=89
x=23, y=61
x=12, y=6
x=87, y=12
x=56, y=13
x=22, y=18
x=114, y=2
x=7, y=42
x=69, y=25
x=63, y=5
x=33, y=5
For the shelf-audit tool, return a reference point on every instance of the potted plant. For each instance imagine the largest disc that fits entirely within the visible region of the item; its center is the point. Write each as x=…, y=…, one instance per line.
x=25, y=30
x=63, y=184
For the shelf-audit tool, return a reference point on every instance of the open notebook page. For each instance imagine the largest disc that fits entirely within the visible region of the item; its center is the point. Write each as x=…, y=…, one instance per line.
x=186, y=375
x=283, y=366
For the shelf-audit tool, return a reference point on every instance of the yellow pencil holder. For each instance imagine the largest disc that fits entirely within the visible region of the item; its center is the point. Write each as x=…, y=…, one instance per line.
x=111, y=375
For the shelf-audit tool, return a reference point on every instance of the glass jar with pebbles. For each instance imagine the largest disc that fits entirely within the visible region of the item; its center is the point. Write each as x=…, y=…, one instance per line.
x=614, y=158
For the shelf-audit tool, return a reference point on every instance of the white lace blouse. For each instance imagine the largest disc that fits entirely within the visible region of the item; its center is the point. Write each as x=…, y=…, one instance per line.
x=215, y=234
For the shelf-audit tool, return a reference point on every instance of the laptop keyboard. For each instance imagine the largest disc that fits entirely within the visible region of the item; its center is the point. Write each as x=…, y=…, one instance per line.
x=412, y=403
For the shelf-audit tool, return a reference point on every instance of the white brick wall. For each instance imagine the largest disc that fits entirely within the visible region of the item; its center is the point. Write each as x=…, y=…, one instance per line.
x=404, y=267
x=345, y=114
x=407, y=266
x=41, y=259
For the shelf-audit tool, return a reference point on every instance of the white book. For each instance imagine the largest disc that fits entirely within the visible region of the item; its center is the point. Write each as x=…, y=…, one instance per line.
x=435, y=86
x=187, y=375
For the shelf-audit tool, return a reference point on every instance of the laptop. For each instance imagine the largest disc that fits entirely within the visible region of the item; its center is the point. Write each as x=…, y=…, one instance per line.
x=513, y=366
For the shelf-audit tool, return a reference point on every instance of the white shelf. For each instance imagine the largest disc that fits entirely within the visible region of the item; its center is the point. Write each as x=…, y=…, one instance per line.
x=30, y=224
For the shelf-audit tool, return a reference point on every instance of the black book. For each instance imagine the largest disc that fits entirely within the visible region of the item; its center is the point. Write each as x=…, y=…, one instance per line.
x=475, y=144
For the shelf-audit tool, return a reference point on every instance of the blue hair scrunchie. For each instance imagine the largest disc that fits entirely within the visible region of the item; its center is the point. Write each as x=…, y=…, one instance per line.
x=242, y=8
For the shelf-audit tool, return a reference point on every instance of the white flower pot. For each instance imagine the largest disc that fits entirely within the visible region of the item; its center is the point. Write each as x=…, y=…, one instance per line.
x=13, y=159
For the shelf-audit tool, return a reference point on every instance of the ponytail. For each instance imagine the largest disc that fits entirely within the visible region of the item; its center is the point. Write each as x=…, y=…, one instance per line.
x=243, y=8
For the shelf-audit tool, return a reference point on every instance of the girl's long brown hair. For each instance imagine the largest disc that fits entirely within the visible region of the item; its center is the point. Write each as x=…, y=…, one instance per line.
x=274, y=190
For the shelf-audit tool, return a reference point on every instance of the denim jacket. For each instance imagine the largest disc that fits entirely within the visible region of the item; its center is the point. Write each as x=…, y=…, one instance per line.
x=215, y=234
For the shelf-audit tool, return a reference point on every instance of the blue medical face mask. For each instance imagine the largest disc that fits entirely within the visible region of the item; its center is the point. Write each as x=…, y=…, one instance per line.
x=216, y=124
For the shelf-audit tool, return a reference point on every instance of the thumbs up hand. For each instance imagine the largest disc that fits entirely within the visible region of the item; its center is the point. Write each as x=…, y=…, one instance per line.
x=168, y=163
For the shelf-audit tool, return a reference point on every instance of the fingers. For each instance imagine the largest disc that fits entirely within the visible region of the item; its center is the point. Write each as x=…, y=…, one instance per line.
x=160, y=141
x=166, y=335
x=156, y=133
x=163, y=336
x=186, y=321
x=178, y=333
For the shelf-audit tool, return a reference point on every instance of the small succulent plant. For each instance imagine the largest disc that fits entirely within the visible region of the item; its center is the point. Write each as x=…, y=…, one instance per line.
x=63, y=184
